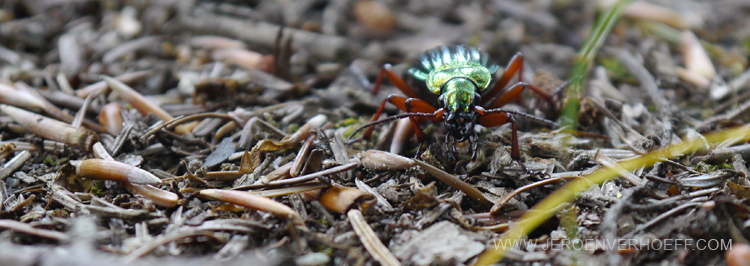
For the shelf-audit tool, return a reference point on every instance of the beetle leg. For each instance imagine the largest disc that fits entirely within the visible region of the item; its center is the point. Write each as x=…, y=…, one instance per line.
x=474, y=146
x=515, y=66
x=417, y=106
x=421, y=137
x=454, y=148
x=559, y=90
x=472, y=149
x=434, y=116
x=419, y=151
x=500, y=116
x=375, y=117
x=450, y=148
x=514, y=92
x=387, y=71
x=515, y=151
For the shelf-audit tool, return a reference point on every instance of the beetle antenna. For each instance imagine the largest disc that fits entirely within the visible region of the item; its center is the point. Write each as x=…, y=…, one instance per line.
x=389, y=119
x=522, y=114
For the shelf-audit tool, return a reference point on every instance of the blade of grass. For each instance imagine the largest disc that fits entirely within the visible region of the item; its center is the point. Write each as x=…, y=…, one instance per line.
x=545, y=209
x=586, y=55
x=671, y=35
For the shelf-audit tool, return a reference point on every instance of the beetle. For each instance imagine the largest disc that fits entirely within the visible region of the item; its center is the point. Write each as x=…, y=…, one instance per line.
x=455, y=84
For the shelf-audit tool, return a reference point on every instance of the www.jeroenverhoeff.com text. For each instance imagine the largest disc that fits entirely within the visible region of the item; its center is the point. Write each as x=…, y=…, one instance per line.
x=615, y=244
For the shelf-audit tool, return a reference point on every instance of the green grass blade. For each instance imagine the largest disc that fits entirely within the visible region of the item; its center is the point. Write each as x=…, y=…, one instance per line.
x=585, y=57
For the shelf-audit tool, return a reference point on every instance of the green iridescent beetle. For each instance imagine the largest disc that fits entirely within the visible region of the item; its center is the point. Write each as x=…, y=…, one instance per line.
x=456, y=84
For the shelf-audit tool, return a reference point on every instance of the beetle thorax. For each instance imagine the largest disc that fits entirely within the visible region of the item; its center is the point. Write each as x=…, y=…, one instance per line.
x=479, y=76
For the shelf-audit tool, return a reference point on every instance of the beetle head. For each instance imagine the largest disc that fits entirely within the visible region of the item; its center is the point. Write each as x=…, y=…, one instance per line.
x=458, y=97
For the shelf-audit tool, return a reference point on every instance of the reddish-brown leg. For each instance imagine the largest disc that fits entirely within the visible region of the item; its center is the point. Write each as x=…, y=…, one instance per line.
x=514, y=92
x=415, y=106
x=514, y=66
x=430, y=116
x=421, y=137
x=499, y=116
x=397, y=100
x=515, y=151
x=391, y=98
x=496, y=117
x=387, y=71
x=493, y=98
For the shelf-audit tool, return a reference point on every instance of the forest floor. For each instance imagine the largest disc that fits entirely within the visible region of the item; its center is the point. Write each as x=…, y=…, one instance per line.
x=170, y=132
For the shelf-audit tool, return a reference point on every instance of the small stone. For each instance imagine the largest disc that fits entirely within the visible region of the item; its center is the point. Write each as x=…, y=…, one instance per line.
x=313, y=259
